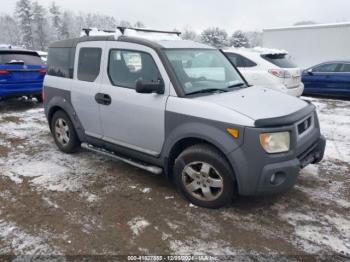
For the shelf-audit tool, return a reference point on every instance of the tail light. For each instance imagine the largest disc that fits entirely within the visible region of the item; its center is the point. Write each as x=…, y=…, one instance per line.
x=280, y=73
x=42, y=71
x=4, y=72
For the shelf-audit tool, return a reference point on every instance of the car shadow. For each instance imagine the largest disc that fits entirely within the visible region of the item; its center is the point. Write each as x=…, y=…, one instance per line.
x=18, y=105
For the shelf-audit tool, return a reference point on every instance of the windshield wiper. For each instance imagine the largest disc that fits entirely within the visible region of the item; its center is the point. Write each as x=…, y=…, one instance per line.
x=236, y=85
x=209, y=90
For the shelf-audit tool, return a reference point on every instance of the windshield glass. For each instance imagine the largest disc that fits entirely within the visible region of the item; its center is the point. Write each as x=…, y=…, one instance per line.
x=201, y=70
x=279, y=60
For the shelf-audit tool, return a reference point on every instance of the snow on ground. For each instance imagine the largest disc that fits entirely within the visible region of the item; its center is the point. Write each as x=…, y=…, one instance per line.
x=24, y=243
x=138, y=225
x=105, y=207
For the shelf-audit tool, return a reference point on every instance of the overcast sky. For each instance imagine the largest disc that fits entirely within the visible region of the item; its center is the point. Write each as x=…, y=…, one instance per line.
x=200, y=14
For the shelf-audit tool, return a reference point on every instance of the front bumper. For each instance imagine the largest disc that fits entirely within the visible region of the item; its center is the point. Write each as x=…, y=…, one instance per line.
x=296, y=91
x=279, y=177
x=259, y=173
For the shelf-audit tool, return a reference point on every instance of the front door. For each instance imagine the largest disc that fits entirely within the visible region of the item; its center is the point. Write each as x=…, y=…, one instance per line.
x=133, y=120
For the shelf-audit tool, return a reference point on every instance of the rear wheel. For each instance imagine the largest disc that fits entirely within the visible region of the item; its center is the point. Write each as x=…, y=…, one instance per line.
x=204, y=176
x=64, y=133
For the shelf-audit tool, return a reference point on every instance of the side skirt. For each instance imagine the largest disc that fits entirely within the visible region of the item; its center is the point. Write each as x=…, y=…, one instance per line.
x=139, y=164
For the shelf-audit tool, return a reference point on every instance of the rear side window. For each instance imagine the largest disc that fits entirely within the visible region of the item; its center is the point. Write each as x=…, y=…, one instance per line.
x=25, y=58
x=89, y=64
x=61, y=62
x=345, y=68
x=279, y=60
x=126, y=67
x=240, y=61
x=328, y=68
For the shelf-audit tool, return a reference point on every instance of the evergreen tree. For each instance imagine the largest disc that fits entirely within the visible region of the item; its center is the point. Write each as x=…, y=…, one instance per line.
x=65, y=32
x=40, y=29
x=239, y=39
x=215, y=37
x=56, y=20
x=24, y=14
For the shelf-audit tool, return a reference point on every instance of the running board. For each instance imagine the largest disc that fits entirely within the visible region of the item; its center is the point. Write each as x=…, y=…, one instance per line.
x=149, y=168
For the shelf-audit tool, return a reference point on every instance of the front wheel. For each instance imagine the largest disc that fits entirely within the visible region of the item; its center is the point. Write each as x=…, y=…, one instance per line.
x=204, y=176
x=64, y=133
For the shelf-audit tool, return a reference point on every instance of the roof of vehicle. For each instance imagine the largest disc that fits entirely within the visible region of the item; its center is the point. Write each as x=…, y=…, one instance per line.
x=346, y=24
x=151, y=39
x=257, y=50
x=17, y=50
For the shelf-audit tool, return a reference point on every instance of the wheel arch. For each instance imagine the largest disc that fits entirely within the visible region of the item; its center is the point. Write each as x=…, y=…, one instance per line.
x=61, y=104
x=185, y=142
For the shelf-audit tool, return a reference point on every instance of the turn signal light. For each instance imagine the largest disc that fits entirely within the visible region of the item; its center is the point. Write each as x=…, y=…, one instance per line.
x=4, y=72
x=233, y=132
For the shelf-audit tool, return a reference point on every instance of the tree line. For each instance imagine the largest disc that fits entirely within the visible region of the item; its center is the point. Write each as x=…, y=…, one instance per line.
x=34, y=26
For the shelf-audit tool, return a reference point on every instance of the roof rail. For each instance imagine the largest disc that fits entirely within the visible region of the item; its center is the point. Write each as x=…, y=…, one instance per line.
x=122, y=30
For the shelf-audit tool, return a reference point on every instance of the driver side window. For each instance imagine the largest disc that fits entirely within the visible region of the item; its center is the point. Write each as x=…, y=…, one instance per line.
x=125, y=67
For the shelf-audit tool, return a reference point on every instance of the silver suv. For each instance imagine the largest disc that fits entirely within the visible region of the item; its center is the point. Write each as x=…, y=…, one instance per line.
x=179, y=108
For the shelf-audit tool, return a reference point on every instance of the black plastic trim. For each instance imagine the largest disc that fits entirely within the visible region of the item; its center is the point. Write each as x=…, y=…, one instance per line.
x=285, y=120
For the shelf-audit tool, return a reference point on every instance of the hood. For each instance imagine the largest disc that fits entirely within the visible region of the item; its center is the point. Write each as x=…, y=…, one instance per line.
x=257, y=102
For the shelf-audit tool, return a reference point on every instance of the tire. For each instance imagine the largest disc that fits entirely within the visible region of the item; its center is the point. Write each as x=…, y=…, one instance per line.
x=204, y=177
x=64, y=133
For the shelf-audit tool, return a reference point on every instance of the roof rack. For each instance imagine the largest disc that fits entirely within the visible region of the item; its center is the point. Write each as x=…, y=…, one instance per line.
x=122, y=31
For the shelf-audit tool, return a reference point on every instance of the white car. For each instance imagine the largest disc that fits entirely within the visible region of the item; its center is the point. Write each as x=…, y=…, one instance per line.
x=268, y=68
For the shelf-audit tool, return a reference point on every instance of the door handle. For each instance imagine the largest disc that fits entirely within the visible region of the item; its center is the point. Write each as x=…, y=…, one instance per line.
x=103, y=99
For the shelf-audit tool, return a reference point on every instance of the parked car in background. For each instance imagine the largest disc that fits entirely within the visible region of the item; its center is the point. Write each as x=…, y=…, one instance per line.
x=21, y=74
x=330, y=79
x=268, y=68
x=43, y=56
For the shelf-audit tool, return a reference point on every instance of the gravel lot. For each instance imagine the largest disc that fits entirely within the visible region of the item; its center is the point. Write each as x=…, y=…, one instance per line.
x=85, y=204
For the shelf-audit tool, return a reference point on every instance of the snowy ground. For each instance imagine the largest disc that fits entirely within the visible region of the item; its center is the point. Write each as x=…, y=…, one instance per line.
x=56, y=204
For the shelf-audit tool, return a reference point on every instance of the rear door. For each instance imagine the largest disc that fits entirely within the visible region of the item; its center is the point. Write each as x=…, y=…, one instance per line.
x=86, y=84
x=20, y=67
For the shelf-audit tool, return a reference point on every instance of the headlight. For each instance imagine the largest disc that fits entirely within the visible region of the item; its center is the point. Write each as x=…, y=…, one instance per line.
x=274, y=143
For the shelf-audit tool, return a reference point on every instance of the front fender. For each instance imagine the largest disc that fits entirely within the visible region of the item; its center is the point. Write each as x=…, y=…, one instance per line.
x=179, y=127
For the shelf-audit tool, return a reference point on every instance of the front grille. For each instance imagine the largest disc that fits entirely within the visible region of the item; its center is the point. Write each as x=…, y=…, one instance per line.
x=305, y=125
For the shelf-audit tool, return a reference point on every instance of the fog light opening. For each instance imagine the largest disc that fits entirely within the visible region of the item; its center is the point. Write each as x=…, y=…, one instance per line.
x=278, y=178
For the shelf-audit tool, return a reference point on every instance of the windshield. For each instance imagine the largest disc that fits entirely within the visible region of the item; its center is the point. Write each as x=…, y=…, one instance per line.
x=201, y=70
x=279, y=60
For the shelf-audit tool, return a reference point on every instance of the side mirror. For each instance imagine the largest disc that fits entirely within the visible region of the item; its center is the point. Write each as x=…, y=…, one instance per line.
x=149, y=87
x=310, y=72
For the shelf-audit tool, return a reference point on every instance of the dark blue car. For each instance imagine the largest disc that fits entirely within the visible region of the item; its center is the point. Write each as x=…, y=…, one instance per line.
x=21, y=74
x=331, y=79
